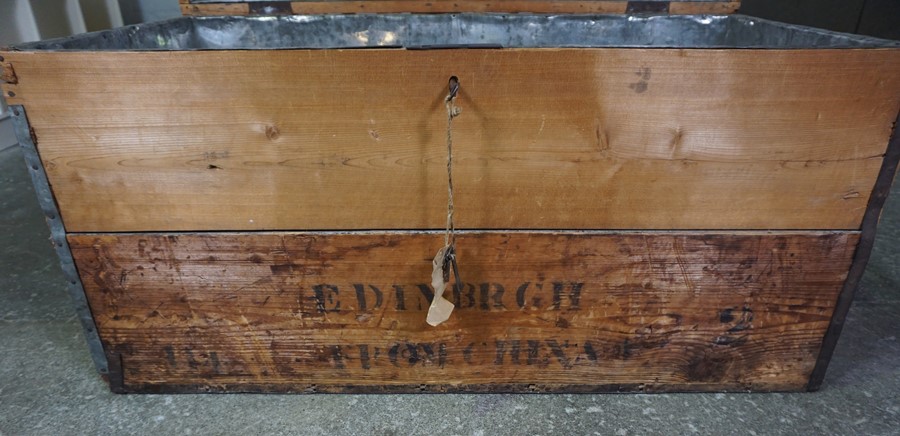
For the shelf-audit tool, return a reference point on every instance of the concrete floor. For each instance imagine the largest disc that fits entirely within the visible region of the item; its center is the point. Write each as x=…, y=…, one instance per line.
x=48, y=384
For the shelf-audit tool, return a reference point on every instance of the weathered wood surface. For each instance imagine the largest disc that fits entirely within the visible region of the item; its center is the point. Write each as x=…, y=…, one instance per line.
x=7, y=74
x=548, y=139
x=445, y=6
x=539, y=311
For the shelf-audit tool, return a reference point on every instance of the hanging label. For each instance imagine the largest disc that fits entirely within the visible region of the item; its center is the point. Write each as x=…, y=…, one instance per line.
x=440, y=308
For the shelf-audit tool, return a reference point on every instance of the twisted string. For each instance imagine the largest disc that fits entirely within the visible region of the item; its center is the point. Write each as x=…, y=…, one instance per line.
x=452, y=112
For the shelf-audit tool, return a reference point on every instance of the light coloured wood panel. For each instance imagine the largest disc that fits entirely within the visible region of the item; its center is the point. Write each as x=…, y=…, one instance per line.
x=548, y=138
x=562, y=311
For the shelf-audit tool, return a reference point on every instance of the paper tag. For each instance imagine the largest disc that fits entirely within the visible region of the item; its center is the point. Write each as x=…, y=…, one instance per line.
x=440, y=308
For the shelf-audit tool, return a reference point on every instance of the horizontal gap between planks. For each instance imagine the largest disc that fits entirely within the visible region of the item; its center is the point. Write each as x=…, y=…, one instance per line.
x=457, y=47
x=775, y=232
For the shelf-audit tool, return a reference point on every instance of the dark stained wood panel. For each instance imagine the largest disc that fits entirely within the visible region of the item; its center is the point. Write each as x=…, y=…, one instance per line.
x=539, y=311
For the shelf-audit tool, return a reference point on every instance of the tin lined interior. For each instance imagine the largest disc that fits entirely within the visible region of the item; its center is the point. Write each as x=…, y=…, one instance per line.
x=459, y=30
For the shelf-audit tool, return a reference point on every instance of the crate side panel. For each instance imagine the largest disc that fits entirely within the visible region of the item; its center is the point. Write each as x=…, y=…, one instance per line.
x=561, y=312
x=548, y=139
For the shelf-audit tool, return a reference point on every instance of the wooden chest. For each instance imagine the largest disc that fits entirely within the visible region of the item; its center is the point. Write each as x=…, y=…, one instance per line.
x=645, y=200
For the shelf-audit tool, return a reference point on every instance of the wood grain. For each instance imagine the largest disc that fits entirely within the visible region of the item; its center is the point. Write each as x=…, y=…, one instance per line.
x=548, y=138
x=449, y=6
x=539, y=311
x=6, y=73
x=215, y=9
x=700, y=8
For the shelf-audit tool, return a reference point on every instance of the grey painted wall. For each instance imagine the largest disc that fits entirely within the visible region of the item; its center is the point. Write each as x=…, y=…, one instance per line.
x=100, y=14
x=56, y=18
x=140, y=11
x=879, y=18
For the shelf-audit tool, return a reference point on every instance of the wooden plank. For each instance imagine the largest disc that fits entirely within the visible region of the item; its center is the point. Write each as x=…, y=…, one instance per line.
x=699, y=8
x=215, y=9
x=860, y=259
x=538, y=312
x=451, y=6
x=6, y=72
x=549, y=138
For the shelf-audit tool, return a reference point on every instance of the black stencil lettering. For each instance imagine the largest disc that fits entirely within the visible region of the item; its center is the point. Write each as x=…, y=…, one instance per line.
x=324, y=295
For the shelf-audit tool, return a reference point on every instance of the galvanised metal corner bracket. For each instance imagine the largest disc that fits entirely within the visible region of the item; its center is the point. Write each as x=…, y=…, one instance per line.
x=58, y=235
x=860, y=258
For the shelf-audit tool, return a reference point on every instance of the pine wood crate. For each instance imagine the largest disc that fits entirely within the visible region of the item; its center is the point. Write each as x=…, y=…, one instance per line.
x=647, y=202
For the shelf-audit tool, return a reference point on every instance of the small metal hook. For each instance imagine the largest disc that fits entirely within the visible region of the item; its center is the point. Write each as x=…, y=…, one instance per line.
x=450, y=258
x=454, y=87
